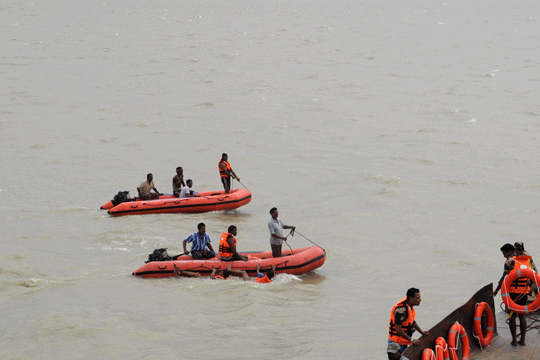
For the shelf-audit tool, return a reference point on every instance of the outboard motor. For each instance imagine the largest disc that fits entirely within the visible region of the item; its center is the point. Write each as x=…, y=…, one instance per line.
x=122, y=196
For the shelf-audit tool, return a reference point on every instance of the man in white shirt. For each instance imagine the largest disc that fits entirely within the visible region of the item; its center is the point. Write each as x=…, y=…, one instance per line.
x=276, y=232
x=186, y=190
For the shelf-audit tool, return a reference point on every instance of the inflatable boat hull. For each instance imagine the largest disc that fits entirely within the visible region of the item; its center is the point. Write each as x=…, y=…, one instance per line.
x=206, y=201
x=296, y=261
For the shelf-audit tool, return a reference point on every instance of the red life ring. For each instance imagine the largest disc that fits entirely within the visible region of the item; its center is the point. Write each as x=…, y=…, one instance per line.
x=480, y=309
x=505, y=290
x=428, y=354
x=456, y=329
x=441, y=349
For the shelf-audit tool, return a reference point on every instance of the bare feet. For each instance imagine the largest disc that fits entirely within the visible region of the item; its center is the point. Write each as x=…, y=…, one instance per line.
x=522, y=343
x=514, y=343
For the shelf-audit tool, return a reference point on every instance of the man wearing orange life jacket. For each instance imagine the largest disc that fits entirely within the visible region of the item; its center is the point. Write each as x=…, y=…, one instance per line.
x=265, y=279
x=520, y=250
x=402, y=320
x=226, y=172
x=519, y=290
x=227, y=246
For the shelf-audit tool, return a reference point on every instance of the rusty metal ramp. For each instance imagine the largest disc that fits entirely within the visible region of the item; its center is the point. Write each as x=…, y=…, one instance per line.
x=500, y=348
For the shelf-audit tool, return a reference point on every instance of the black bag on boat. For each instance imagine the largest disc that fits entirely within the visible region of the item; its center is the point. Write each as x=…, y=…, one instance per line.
x=122, y=196
x=159, y=255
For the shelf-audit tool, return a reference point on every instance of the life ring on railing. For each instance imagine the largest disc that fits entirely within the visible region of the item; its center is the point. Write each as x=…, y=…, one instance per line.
x=441, y=349
x=456, y=329
x=505, y=290
x=428, y=354
x=480, y=309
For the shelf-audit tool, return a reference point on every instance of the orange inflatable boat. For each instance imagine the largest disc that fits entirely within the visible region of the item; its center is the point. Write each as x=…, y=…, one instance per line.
x=296, y=261
x=205, y=201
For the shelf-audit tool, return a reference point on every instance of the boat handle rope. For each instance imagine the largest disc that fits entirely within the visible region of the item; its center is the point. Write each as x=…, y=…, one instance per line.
x=294, y=230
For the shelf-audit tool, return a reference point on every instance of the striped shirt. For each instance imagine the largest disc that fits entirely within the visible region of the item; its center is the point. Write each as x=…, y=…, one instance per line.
x=198, y=243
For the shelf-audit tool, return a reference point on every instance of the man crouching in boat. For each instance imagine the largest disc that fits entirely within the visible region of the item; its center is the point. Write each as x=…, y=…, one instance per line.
x=227, y=246
x=224, y=274
x=402, y=323
x=146, y=187
x=201, y=247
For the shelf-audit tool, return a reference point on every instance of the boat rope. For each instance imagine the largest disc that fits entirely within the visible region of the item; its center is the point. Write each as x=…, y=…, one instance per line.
x=293, y=232
x=242, y=184
x=530, y=326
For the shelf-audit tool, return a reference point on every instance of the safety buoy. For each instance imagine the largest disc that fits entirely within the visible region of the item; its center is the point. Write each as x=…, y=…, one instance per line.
x=441, y=349
x=505, y=290
x=480, y=309
x=456, y=329
x=428, y=354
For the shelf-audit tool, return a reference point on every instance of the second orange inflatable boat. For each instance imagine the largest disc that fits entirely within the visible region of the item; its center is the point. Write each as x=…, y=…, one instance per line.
x=205, y=201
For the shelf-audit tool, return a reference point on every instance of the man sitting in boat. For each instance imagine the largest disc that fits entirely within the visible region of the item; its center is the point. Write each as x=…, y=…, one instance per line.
x=265, y=279
x=186, y=190
x=200, y=247
x=224, y=274
x=178, y=181
x=227, y=246
x=146, y=187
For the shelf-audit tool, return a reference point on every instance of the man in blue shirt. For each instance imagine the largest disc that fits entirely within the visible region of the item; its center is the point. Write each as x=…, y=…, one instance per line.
x=200, y=246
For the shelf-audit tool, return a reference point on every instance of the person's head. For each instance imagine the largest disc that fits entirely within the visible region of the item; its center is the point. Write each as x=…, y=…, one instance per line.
x=225, y=274
x=179, y=170
x=507, y=250
x=202, y=228
x=273, y=212
x=149, y=177
x=189, y=183
x=393, y=351
x=270, y=274
x=519, y=247
x=413, y=297
x=232, y=230
x=224, y=157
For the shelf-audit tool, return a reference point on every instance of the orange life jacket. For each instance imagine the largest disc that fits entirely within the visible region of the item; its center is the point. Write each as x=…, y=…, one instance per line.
x=219, y=277
x=263, y=280
x=407, y=325
x=224, y=248
x=521, y=285
x=224, y=173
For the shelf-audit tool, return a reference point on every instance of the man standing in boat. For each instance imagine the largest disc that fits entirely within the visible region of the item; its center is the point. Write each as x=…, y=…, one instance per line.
x=178, y=181
x=276, y=232
x=519, y=291
x=226, y=172
x=146, y=187
x=201, y=247
x=227, y=246
x=402, y=321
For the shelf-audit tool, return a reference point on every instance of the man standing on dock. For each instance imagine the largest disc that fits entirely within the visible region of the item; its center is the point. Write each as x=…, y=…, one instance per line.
x=226, y=172
x=519, y=291
x=402, y=320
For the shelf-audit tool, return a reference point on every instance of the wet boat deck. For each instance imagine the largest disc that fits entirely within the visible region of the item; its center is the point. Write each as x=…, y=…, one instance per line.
x=501, y=347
